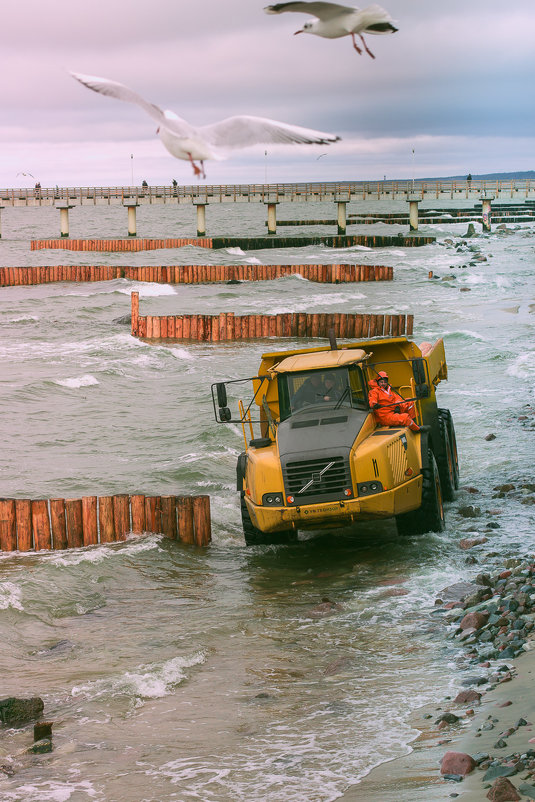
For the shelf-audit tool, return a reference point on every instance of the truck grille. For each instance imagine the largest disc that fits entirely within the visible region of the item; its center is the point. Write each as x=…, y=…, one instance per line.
x=327, y=476
x=397, y=455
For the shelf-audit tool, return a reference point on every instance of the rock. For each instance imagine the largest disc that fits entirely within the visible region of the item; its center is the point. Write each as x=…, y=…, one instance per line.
x=41, y=747
x=504, y=488
x=474, y=620
x=499, y=771
x=457, y=763
x=471, y=231
x=527, y=790
x=15, y=711
x=448, y=718
x=233, y=281
x=490, y=436
x=469, y=542
x=469, y=511
x=464, y=697
x=503, y=791
x=326, y=607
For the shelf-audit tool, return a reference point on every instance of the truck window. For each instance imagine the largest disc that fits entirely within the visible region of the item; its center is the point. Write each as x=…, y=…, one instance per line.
x=337, y=387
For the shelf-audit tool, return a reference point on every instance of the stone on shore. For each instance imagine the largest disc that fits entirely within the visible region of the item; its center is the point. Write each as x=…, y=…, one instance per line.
x=457, y=763
x=503, y=791
x=465, y=697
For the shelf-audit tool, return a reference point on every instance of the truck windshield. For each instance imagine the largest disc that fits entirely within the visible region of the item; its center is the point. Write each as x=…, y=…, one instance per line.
x=337, y=387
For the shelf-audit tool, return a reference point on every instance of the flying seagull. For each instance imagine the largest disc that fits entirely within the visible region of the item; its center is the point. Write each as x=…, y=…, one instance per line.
x=184, y=141
x=335, y=20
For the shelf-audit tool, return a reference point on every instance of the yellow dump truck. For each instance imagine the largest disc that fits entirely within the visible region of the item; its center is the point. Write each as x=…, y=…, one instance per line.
x=320, y=460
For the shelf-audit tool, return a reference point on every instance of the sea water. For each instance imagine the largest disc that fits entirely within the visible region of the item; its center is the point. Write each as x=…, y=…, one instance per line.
x=172, y=673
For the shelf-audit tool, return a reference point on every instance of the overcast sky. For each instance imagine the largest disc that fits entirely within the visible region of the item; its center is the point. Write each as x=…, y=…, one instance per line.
x=454, y=84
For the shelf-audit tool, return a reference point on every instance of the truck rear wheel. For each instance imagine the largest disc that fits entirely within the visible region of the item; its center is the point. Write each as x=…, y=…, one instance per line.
x=430, y=516
x=448, y=465
x=254, y=536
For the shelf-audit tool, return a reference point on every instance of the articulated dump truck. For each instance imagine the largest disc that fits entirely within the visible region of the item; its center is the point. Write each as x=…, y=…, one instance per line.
x=316, y=456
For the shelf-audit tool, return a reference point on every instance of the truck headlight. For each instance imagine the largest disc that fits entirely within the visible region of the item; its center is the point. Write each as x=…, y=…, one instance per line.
x=272, y=499
x=368, y=488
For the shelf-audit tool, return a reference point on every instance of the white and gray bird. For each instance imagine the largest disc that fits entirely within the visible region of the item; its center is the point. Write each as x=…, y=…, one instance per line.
x=191, y=144
x=335, y=21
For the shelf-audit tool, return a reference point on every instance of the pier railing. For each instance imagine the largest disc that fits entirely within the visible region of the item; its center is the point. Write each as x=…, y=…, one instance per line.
x=264, y=193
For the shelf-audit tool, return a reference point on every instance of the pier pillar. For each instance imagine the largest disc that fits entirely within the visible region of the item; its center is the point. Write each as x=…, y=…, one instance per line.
x=271, y=215
x=413, y=201
x=1, y=207
x=485, y=211
x=131, y=205
x=64, y=218
x=342, y=222
x=201, y=217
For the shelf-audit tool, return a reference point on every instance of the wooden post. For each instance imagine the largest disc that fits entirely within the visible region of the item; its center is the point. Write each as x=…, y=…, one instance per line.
x=73, y=516
x=271, y=216
x=184, y=505
x=168, y=506
x=342, y=222
x=41, y=525
x=201, y=518
x=201, y=217
x=8, y=525
x=134, y=304
x=137, y=507
x=121, y=515
x=413, y=200
x=23, y=512
x=106, y=519
x=153, y=515
x=58, y=524
x=89, y=520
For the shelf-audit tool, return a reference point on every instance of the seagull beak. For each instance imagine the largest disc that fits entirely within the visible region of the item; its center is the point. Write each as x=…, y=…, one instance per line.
x=301, y=31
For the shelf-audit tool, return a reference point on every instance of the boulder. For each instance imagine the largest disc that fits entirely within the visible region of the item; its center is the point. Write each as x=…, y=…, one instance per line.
x=503, y=791
x=457, y=763
x=14, y=712
x=469, y=511
x=469, y=542
x=474, y=620
x=464, y=697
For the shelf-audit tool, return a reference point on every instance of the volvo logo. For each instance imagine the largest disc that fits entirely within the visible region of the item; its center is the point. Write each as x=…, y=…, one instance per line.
x=316, y=477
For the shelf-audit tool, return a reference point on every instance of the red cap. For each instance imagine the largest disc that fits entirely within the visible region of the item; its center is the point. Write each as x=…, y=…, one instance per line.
x=382, y=375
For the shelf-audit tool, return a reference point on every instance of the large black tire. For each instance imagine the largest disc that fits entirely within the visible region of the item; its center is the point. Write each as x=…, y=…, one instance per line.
x=430, y=516
x=255, y=537
x=449, y=465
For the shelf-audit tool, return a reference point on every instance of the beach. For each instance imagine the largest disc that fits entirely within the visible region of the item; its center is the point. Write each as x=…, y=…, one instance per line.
x=171, y=673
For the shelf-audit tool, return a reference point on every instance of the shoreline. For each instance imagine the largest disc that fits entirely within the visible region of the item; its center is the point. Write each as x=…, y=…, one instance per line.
x=497, y=730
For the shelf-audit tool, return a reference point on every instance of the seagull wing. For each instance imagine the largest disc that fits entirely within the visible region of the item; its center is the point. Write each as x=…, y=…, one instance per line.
x=121, y=92
x=242, y=131
x=323, y=11
x=377, y=20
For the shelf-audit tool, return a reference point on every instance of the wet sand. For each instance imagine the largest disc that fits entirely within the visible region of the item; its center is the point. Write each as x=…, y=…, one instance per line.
x=416, y=777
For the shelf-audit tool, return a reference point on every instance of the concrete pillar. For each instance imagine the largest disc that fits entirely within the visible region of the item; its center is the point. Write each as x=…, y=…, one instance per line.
x=342, y=224
x=413, y=201
x=132, y=226
x=64, y=218
x=201, y=217
x=485, y=210
x=1, y=207
x=271, y=215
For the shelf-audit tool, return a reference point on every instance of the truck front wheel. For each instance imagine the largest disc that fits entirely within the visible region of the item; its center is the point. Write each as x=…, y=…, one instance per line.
x=254, y=536
x=430, y=516
x=448, y=464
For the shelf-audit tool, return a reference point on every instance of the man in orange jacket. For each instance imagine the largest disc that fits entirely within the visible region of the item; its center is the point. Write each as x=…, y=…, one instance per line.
x=389, y=408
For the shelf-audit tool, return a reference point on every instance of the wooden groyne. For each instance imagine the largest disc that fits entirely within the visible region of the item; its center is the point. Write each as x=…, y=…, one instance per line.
x=66, y=523
x=120, y=245
x=193, y=274
x=227, y=326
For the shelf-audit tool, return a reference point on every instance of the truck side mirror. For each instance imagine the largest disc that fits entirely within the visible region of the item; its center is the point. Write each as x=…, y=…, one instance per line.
x=422, y=390
x=221, y=390
x=224, y=414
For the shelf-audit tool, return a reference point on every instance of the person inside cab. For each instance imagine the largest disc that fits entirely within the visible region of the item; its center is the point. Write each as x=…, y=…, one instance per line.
x=389, y=408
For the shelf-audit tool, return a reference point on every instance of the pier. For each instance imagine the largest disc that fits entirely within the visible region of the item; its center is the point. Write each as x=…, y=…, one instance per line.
x=267, y=193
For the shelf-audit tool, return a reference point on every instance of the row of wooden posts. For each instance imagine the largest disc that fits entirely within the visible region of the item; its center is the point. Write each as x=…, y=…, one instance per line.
x=119, y=244
x=193, y=274
x=227, y=326
x=57, y=523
